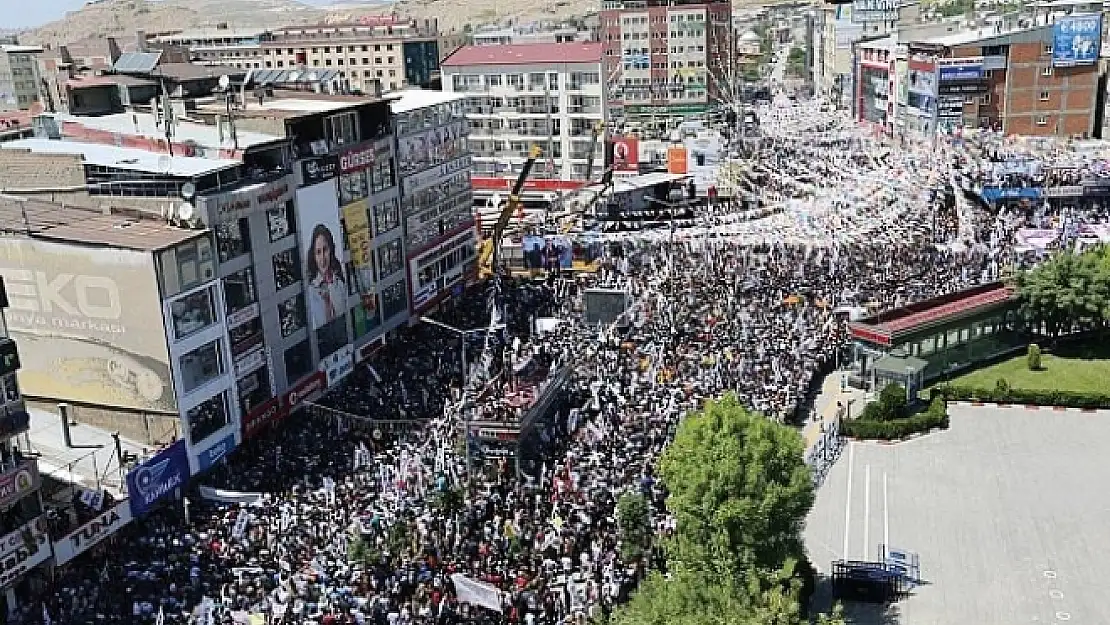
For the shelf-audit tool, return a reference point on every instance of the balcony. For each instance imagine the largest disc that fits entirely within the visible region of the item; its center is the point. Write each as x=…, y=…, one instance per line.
x=584, y=110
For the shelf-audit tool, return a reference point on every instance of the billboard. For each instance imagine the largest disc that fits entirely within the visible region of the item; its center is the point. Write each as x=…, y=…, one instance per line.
x=157, y=477
x=626, y=153
x=89, y=324
x=361, y=243
x=23, y=549
x=88, y=535
x=864, y=11
x=324, y=276
x=1076, y=40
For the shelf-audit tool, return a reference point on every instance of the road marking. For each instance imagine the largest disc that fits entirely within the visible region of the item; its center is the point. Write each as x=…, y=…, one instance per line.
x=1050, y=574
x=886, y=515
x=848, y=498
x=1056, y=594
x=1063, y=616
x=866, y=510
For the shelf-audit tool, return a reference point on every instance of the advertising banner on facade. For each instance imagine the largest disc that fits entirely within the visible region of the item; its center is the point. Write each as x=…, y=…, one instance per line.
x=263, y=415
x=318, y=169
x=306, y=389
x=1076, y=40
x=676, y=159
x=325, y=277
x=158, y=477
x=88, y=535
x=421, y=150
x=246, y=200
x=89, y=324
x=209, y=457
x=18, y=482
x=360, y=242
x=966, y=70
x=923, y=81
x=23, y=550
x=864, y=11
x=626, y=153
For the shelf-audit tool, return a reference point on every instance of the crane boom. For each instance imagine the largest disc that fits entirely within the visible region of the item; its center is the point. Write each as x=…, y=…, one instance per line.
x=490, y=250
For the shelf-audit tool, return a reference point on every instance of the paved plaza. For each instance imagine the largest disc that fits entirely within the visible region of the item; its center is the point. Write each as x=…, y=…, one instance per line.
x=1008, y=510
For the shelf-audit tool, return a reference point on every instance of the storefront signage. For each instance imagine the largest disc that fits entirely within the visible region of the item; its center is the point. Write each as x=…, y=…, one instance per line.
x=275, y=194
x=367, y=351
x=874, y=11
x=247, y=200
x=966, y=71
x=88, y=535
x=216, y=452
x=18, y=482
x=158, y=477
x=434, y=175
x=22, y=550
x=1096, y=189
x=241, y=316
x=337, y=366
x=306, y=389
x=1067, y=191
x=318, y=169
x=268, y=412
x=9, y=356
x=250, y=362
x=955, y=88
x=357, y=159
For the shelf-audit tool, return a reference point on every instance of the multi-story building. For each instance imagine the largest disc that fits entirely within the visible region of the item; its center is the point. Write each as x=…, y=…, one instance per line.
x=549, y=95
x=665, y=57
x=19, y=83
x=433, y=165
x=24, y=538
x=382, y=51
x=508, y=36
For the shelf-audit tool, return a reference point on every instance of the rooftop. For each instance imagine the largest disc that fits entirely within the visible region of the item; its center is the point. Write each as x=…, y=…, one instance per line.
x=45, y=220
x=285, y=103
x=189, y=71
x=525, y=54
x=966, y=37
x=882, y=328
x=142, y=124
x=211, y=33
x=124, y=158
x=14, y=49
x=108, y=80
x=412, y=99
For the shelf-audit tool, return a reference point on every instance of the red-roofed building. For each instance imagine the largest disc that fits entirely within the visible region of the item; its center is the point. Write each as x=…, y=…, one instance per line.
x=948, y=333
x=551, y=95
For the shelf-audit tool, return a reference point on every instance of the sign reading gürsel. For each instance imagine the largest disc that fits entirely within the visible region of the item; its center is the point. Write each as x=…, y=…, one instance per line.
x=158, y=477
x=22, y=550
x=88, y=535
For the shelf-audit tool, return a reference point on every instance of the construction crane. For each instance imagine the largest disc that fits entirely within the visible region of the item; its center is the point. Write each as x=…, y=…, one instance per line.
x=490, y=251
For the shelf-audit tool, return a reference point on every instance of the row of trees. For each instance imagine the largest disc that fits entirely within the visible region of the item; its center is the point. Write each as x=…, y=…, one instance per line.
x=740, y=493
x=1069, y=292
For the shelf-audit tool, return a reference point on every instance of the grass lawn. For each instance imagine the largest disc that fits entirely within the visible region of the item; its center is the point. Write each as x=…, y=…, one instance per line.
x=1068, y=370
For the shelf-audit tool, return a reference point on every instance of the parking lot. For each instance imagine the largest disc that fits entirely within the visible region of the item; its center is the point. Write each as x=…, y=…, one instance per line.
x=1009, y=511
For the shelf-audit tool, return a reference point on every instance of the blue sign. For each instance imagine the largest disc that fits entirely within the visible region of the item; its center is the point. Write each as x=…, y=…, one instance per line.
x=213, y=454
x=950, y=73
x=1076, y=40
x=158, y=477
x=993, y=194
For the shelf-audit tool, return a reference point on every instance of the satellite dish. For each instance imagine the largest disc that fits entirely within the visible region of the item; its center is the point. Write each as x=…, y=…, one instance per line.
x=188, y=190
x=225, y=82
x=185, y=211
x=164, y=164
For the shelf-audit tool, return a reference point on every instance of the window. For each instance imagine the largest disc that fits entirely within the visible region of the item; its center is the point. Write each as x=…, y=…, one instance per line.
x=1042, y=120
x=387, y=216
x=390, y=259
x=207, y=418
x=1046, y=71
x=239, y=291
x=383, y=175
x=200, y=366
x=287, y=268
x=1044, y=96
x=291, y=315
x=254, y=389
x=281, y=221
x=298, y=361
x=985, y=98
x=342, y=128
x=394, y=300
x=352, y=187
x=245, y=337
x=192, y=313
x=187, y=266
x=1048, y=49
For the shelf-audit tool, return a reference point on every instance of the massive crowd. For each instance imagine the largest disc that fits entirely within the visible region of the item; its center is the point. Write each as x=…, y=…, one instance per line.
x=362, y=511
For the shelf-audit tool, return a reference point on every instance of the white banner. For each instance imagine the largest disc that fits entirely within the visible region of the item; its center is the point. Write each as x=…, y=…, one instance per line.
x=240, y=528
x=19, y=555
x=229, y=496
x=88, y=535
x=479, y=593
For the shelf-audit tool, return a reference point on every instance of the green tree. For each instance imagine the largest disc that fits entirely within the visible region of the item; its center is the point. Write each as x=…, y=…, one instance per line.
x=634, y=521
x=692, y=598
x=739, y=490
x=1033, y=357
x=892, y=403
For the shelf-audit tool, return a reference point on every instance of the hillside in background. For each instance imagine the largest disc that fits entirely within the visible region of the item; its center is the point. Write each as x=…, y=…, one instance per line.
x=122, y=18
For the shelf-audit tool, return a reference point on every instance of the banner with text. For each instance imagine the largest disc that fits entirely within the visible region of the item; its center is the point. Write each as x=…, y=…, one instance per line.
x=88, y=535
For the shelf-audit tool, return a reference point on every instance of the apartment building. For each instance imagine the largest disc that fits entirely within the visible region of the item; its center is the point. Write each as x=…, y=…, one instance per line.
x=24, y=539
x=386, y=51
x=19, y=82
x=549, y=95
x=665, y=57
x=509, y=36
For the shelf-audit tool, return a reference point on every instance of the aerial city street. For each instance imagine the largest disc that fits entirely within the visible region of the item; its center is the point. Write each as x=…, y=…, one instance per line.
x=645, y=313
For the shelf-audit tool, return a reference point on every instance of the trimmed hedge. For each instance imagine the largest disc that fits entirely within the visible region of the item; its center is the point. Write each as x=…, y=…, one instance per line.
x=935, y=416
x=1004, y=394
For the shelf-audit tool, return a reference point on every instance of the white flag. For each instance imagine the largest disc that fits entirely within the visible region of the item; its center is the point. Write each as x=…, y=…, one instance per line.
x=46, y=616
x=478, y=593
x=161, y=620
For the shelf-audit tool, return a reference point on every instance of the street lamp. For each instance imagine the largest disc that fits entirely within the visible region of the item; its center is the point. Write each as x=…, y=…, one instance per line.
x=463, y=334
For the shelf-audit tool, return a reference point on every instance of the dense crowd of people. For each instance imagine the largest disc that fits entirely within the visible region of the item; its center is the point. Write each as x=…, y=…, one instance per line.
x=362, y=510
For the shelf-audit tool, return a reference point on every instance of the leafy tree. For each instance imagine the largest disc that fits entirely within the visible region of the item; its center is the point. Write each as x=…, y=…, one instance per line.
x=634, y=521
x=892, y=403
x=1033, y=357
x=693, y=598
x=739, y=490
